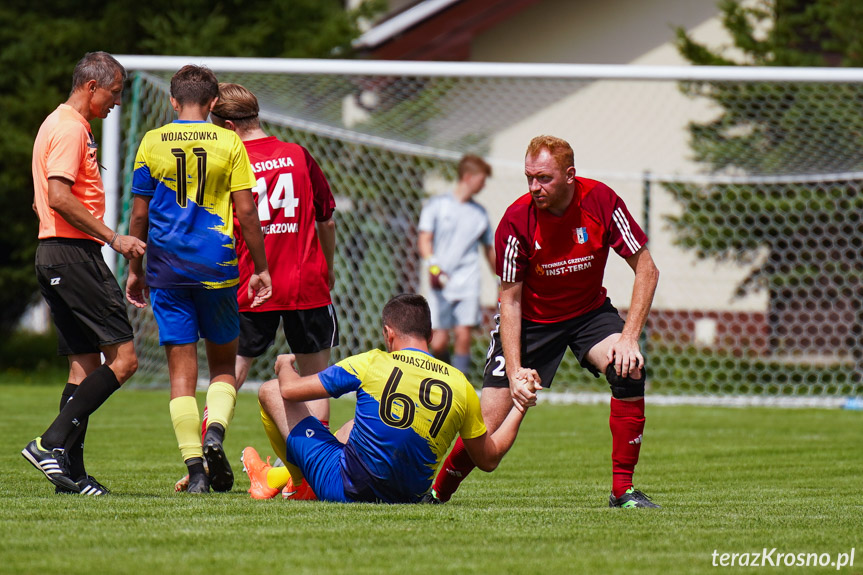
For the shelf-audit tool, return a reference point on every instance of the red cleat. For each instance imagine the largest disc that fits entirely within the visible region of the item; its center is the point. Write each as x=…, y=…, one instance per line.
x=301, y=493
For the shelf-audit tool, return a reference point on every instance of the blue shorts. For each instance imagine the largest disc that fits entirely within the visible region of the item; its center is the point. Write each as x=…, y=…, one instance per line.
x=318, y=454
x=184, y=313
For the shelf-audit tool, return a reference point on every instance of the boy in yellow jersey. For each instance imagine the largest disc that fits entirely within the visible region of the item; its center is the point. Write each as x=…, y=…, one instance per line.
x=410, y=407
x=190, y=176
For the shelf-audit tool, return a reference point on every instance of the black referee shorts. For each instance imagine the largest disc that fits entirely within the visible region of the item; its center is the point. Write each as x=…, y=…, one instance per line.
x=87, y=305
x=543, y=344
x=306, y=330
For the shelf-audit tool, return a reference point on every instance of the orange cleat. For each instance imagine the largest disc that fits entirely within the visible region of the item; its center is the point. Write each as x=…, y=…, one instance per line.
x=302, y=493
x=257, y=472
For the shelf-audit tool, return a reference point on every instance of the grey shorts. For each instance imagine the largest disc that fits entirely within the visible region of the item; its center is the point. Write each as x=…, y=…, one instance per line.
x=447, y=314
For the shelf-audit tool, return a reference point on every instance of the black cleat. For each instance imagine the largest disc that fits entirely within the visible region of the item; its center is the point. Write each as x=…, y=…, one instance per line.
x=198, y=483
x=431, y=498
x=632, y=498
x=221, y=475
x=52, y=463
x=88, y=486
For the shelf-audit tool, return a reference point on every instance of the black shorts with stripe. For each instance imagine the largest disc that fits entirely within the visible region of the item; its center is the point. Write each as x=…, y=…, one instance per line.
x=543, y=344
x=86, y=302
x=306, y=330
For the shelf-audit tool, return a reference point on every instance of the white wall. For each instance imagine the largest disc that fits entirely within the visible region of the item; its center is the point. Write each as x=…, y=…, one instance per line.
x=590, y=31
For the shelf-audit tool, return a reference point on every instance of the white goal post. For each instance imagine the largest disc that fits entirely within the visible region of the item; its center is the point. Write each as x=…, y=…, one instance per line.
x=748, y=181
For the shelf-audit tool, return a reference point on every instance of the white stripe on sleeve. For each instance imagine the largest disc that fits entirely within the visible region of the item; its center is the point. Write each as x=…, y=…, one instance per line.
x=626, y=231
x=509, y=259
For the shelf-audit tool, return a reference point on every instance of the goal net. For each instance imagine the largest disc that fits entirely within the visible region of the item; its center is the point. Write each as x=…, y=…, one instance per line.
x=747, y=181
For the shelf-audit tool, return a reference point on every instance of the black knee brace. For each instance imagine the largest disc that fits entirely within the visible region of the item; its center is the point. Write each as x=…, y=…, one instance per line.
x=623, y=387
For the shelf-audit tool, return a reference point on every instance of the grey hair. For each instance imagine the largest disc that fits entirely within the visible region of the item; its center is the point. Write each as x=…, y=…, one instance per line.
x=99, y=66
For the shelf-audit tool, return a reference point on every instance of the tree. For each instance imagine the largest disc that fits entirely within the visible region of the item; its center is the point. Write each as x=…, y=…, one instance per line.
x=40, y=43
x=807, y=236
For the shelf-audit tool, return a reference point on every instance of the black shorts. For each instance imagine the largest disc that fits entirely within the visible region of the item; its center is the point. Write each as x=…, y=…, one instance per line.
x=307, y=330
x=87, y=305
x=543, y=344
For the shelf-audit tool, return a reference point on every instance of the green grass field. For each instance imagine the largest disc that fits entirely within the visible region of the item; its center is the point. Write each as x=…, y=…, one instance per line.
x=730, y=480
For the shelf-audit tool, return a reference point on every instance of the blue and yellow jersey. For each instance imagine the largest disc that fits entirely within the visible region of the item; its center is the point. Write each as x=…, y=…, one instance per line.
x=189, y=170
x=410, y=407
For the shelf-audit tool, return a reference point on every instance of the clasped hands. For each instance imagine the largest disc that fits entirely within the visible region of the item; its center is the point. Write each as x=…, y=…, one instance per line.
x=524, y=383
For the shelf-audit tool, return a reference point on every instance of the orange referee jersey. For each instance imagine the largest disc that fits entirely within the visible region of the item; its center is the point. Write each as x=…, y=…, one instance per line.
x=65, y=147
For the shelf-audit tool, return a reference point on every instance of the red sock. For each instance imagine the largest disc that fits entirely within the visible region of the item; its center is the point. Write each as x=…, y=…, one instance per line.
x=454, y=470
x=627, y=425
x=204, y=424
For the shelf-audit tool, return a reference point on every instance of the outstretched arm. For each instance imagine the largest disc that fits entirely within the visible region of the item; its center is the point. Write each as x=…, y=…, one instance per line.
x=295, y=387
x=62, y=201
x=487, y=450
x=425, y=245
x=523, y=382
x=260, y=285
x=137, y=291
x=625, y=352
x=327, y=236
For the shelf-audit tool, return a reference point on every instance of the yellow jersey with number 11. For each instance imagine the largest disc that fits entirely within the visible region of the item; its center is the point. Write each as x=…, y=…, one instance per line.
x=189, y=170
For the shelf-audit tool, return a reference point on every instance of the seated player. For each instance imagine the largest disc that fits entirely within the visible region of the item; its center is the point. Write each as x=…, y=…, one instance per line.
x=410, y=408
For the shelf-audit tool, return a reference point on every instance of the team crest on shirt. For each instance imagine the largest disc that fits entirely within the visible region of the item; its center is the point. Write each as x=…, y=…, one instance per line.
x=579, y=235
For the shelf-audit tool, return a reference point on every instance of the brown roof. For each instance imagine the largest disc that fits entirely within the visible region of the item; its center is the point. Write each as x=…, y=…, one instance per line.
x=436, y=29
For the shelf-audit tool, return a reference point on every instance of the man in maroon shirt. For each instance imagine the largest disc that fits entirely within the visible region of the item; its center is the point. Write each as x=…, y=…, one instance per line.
x=552, y=245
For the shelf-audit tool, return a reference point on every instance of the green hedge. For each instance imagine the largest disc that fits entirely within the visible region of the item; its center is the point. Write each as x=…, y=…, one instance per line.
x=27, y=357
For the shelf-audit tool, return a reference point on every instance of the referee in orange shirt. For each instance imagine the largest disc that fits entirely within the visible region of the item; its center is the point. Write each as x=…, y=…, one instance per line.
x=86, y=302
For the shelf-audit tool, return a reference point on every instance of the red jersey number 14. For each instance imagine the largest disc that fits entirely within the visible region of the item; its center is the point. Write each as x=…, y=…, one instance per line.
x=281, y=198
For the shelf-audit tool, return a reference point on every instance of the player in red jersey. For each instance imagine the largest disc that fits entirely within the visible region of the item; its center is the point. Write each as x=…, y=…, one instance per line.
x=295, y=206
x=552, y=245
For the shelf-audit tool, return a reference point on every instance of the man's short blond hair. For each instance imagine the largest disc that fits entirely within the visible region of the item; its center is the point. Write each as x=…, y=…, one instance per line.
x=559, y=149
x=238, y=104
x=473, y=164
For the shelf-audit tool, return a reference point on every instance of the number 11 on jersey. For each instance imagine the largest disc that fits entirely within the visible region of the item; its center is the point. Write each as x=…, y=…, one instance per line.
x=280, y=198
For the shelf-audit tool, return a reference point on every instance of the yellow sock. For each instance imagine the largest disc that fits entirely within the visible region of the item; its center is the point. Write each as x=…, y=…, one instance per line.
x=187, y=422
x=277, y=477
x=274, y=435
x=221, y=399
x=280, y=449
